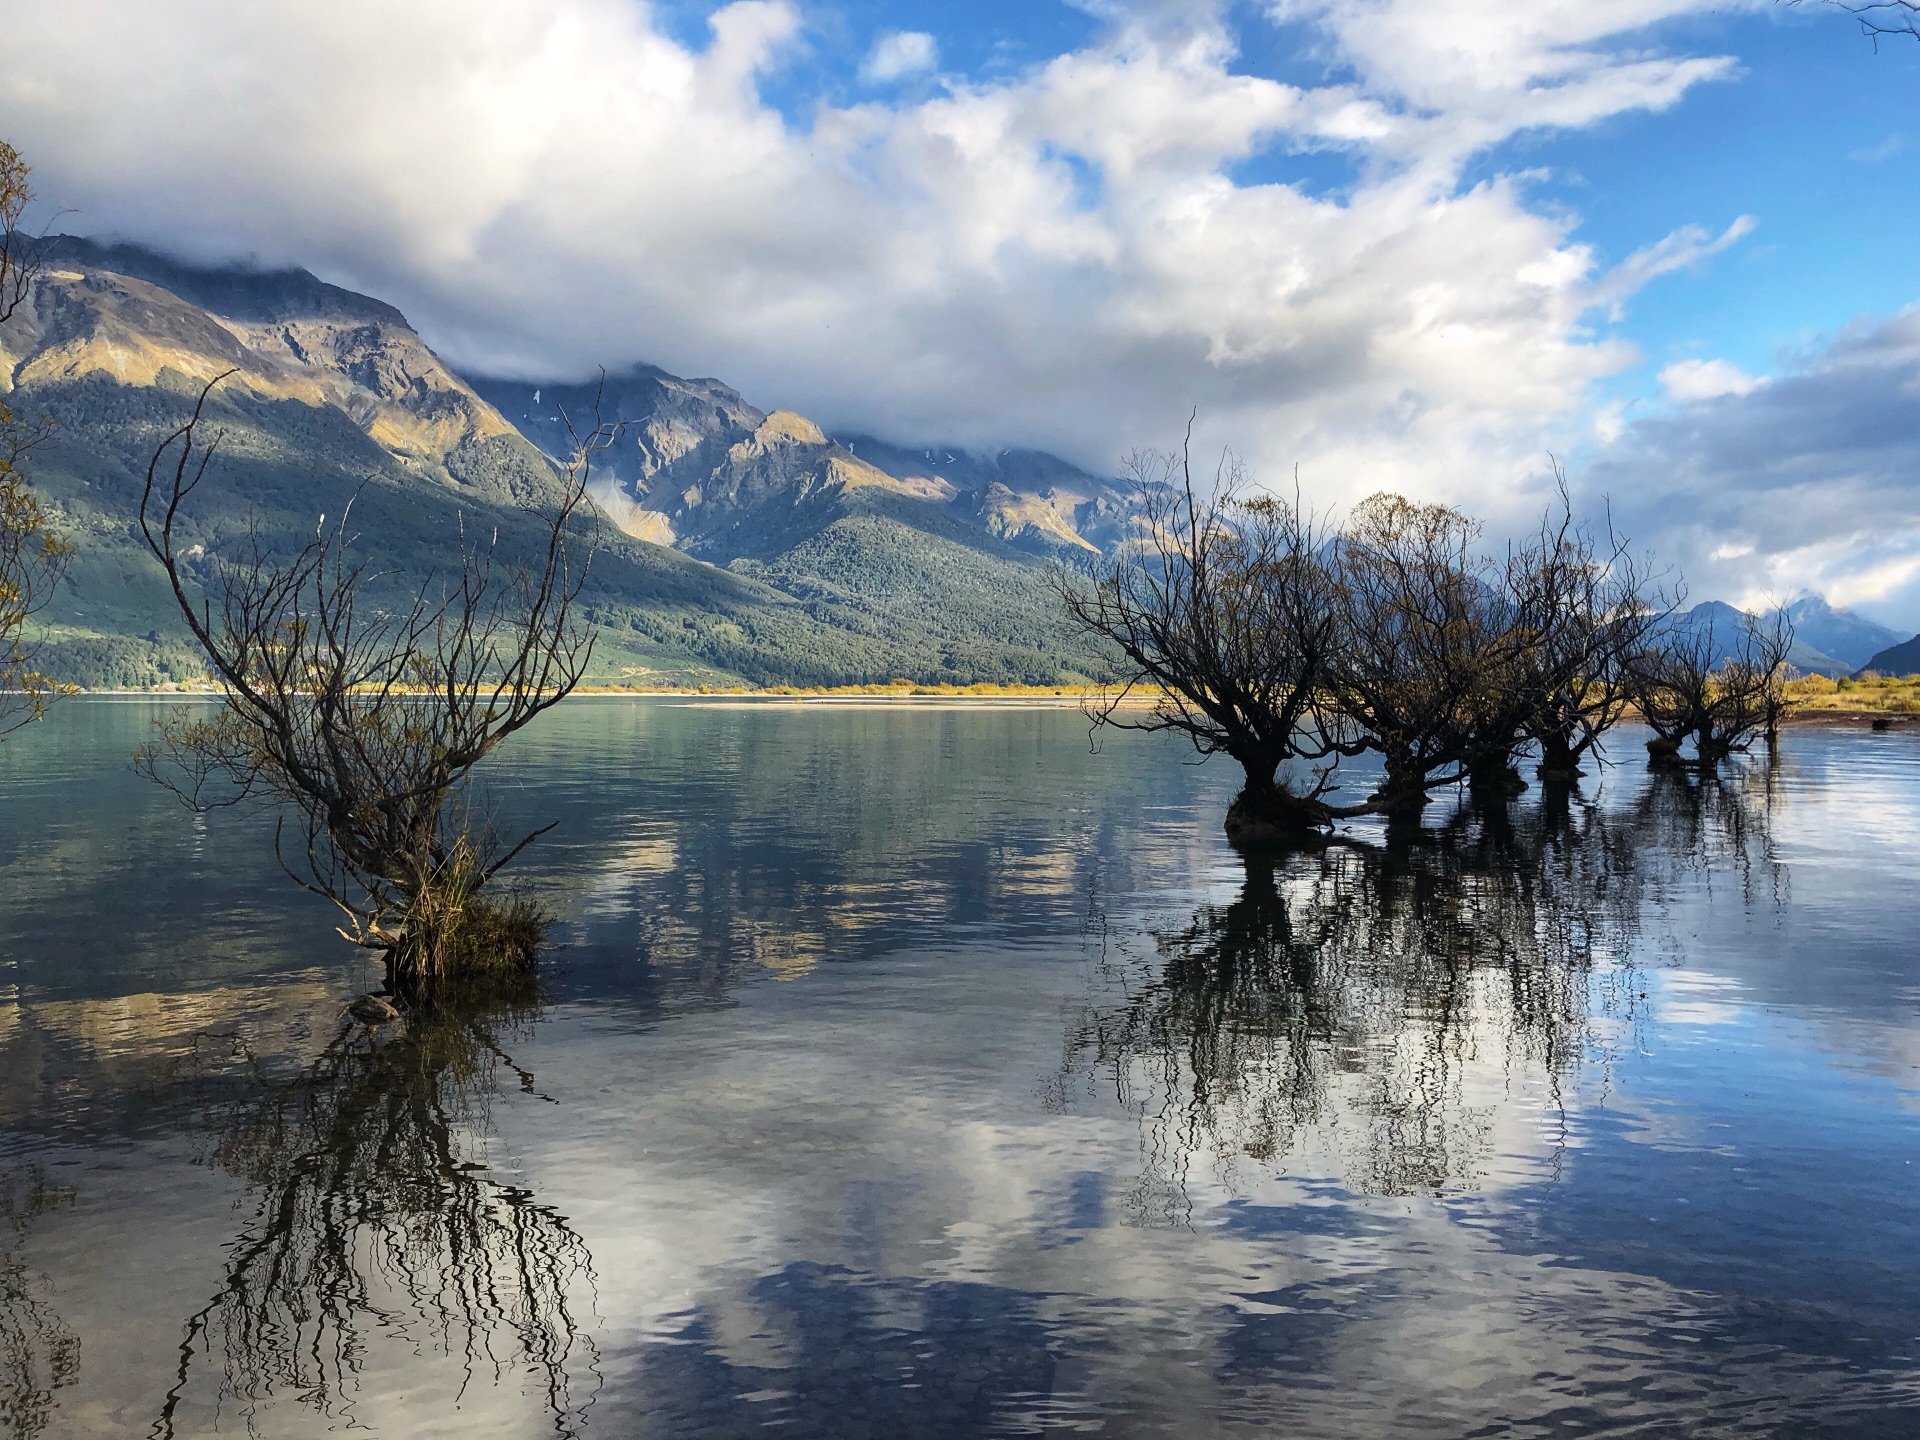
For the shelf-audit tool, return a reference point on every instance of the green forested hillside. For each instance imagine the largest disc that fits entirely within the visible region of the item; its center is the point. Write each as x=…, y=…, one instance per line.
x=938, y=606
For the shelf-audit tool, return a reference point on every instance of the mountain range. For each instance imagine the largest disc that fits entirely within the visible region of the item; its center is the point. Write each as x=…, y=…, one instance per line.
x=747, y=546
x=1826, y=641
x=1901, y=659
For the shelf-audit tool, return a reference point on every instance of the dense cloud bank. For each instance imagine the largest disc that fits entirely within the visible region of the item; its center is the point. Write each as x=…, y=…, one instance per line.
x=1072, y=256
x=1060, y=258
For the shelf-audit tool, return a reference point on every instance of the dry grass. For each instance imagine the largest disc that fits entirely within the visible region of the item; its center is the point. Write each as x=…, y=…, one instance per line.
x=1883, y=695
x=495, y=935
x=455, y=933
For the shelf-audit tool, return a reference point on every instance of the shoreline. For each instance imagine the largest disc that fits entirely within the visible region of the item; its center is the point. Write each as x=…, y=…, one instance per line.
x=926, y=696
x=1056, y=699
x=1897, y=719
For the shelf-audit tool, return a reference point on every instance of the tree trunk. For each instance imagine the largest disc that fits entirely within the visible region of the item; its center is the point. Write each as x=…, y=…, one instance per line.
x=1495, y=777
x=1267, y=813
x=1559, y=761
x=1663, y=753
x=1404, y=787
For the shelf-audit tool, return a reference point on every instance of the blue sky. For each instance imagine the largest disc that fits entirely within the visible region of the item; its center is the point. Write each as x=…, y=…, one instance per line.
x=1407, y=244
x=1817, y=136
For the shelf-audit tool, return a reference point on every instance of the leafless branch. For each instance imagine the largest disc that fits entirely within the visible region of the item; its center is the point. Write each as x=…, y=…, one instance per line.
x=1222, y=619
x=365, y=716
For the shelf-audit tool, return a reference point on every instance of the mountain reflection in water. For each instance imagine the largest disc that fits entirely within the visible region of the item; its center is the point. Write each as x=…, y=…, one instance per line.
x=1387, y=995
x=377, y=1220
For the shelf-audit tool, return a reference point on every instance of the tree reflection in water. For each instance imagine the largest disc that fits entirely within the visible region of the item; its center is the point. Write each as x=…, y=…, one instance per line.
x=374, y=1217
x=1699, y=826
x=1384, y=1002
x=39, y=1352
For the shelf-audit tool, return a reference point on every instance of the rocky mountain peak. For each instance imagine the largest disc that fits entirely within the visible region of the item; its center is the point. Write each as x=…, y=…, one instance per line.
x=699, y=467
x=134, y=317
x=238, y=292
x=784, y=427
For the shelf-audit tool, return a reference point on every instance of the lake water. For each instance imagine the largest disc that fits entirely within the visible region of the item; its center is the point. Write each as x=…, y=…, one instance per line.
x=921, y=1073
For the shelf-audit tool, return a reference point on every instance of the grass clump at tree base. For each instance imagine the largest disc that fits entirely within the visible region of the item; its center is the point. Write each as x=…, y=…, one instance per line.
x=490, y=937
x=455, y=933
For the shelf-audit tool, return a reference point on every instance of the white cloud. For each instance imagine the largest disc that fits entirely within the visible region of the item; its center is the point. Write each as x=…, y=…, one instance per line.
x=1706, y=380
x=1058, y=258
x=1893, y=145
x=1805, y=482
x=1476, y=71
x=1687, y=246
x=902, y=53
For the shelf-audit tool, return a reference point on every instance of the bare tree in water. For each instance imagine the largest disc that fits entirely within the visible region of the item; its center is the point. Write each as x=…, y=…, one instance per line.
x=1720, y=684
x=1257, y=633
x=1426, y=638
x=1579, y=604
x=376, y=1215
x=1225, y=623
x=364, y=706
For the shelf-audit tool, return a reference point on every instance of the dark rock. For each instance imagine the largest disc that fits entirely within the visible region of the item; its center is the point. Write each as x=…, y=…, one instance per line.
x=372, y=1010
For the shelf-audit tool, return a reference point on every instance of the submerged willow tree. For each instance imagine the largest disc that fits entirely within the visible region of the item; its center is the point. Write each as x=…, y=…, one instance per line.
x=1718, y=684
x=1428, y=644
x=1575, y=603
x=1258, y=632
x=1227, y=620
x=362, y=704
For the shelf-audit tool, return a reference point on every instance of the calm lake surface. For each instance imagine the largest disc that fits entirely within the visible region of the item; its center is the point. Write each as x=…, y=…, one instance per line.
x=917, y=1072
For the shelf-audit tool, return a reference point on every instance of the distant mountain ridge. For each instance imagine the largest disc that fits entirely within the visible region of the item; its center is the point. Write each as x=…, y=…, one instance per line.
x=1902, y=659
x=1724, y=626
x=700, y=468
x=1848, y=638
x=1826, y=641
